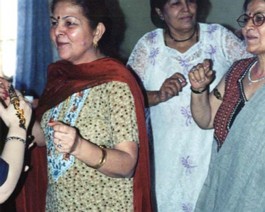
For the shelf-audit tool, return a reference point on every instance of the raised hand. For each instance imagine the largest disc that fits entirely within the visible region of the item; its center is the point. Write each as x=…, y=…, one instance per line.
x=10, y=114
x=201, y=75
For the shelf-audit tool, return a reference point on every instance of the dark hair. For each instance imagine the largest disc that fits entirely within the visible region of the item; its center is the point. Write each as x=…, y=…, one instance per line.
x=203, y=8
x=96, y=12
x=154, y=16
x=245, y=5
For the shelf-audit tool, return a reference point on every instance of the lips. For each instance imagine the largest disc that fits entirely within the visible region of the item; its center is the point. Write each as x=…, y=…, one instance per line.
x=251, y=37
x=61, y=44
x=186, y=18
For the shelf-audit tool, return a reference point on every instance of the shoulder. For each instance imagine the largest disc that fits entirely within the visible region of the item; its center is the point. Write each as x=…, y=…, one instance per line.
x=112, y=92
x=112, y=87
x=211, y=25
x=241, y=65
x=152, y=36
x=244, y=62
x=213, y=28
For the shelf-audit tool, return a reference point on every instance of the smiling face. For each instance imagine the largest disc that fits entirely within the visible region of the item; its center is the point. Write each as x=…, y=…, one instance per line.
x=179, y=15
x=72, y=34
x=255, y=35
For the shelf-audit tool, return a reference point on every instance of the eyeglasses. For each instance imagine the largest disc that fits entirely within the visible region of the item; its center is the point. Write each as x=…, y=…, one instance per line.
x=258, y=19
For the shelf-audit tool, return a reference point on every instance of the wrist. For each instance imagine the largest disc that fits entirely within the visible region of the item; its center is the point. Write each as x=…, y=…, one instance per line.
x=17, y=131
x=199, y=91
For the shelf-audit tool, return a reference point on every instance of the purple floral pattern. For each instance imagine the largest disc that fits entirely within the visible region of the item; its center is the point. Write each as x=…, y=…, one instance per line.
x=175, y=134
x=187, y=207
x=185, y=111
x=187, y=164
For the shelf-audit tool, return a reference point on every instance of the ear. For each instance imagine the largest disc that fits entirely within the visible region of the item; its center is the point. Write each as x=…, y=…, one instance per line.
x=159, y=13
x=99, y=31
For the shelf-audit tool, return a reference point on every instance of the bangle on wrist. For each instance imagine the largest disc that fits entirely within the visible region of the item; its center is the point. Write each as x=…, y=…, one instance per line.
x=102, y=159
x=13, y=138
x=198, y=92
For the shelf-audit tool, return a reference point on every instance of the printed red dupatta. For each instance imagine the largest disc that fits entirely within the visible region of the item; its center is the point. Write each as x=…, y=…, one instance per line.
x=65, y=79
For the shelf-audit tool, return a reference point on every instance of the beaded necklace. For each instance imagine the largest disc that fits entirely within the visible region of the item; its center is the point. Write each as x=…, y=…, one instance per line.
x=189, y=38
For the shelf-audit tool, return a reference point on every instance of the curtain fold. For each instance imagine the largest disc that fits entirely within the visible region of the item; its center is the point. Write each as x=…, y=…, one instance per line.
x=34, y=50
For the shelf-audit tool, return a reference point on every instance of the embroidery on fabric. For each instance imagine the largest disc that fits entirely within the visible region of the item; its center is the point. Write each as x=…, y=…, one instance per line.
x=57, y=163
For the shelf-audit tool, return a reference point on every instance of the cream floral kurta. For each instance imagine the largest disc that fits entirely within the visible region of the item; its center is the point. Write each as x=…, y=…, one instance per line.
x=105, y=115
x=181, y=149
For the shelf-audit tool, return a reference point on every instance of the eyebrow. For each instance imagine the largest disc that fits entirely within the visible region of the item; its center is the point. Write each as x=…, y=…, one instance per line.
x=257, y=12
x=63, y=18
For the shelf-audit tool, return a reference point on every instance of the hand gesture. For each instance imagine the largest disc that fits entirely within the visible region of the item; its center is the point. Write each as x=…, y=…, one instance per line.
x=66, y=138
x=201, y=75
x=10, y=115
x=171, y=87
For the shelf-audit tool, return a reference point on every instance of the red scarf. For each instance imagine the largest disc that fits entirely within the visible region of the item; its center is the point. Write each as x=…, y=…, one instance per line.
x=64, y=79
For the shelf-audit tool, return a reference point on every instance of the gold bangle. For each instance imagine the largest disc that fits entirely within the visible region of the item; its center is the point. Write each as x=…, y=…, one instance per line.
x=102, y=159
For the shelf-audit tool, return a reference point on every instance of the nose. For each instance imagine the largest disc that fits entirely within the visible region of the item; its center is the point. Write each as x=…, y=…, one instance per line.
x=185, y=5
x=58, y=29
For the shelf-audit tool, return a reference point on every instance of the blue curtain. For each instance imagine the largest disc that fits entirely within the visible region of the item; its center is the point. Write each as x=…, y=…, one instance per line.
x=34, y=50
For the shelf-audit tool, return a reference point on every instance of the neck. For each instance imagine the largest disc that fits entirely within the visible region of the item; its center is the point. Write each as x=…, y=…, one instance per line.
x=186, y=39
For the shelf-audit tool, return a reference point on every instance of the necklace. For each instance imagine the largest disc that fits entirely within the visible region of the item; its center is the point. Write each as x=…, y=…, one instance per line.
x=178, y=41
x=251, y=81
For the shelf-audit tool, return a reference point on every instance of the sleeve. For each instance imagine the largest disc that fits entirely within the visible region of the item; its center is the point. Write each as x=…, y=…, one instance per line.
x=4, y=167
x=233, y=48
x=138, y=58
x=122, y=114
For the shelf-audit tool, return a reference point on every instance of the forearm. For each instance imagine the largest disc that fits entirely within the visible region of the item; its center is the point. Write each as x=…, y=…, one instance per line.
x=13, y=154
x=38, y=134
x=119, y=162
x=201, y=109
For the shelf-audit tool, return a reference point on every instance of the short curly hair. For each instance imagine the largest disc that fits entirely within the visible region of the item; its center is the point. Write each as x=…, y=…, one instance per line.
x=203, y=8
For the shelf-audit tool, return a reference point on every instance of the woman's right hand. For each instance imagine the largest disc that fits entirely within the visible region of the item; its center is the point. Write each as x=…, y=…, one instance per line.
x=201, y=76
x=171, y=87
x=9, y=114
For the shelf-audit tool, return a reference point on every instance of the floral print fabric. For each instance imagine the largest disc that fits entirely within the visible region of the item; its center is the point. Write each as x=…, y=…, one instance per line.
x=106, y=116
x=181, y=149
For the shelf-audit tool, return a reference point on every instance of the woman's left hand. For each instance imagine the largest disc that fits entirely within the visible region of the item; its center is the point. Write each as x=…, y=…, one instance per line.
x=66, y=138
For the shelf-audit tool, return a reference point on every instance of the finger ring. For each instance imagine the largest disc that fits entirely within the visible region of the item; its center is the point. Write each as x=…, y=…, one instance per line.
x=59, y=146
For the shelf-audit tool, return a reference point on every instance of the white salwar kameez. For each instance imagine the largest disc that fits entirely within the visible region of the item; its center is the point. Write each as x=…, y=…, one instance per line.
x=181, y=149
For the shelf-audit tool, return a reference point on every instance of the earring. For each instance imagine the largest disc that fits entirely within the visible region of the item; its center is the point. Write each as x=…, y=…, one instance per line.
x=95, y=44
x=161, y=17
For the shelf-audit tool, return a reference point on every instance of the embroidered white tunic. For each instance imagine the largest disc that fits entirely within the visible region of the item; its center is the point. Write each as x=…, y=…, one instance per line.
x=181, y=149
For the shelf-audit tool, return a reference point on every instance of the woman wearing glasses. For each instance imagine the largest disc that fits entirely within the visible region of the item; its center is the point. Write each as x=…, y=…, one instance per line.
x=234, y=109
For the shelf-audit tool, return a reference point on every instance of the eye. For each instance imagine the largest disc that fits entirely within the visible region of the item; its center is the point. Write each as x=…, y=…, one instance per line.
x=258, y=19
x=243, y=19
x=69, y=23
x=54, y=22
x=174, y=2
